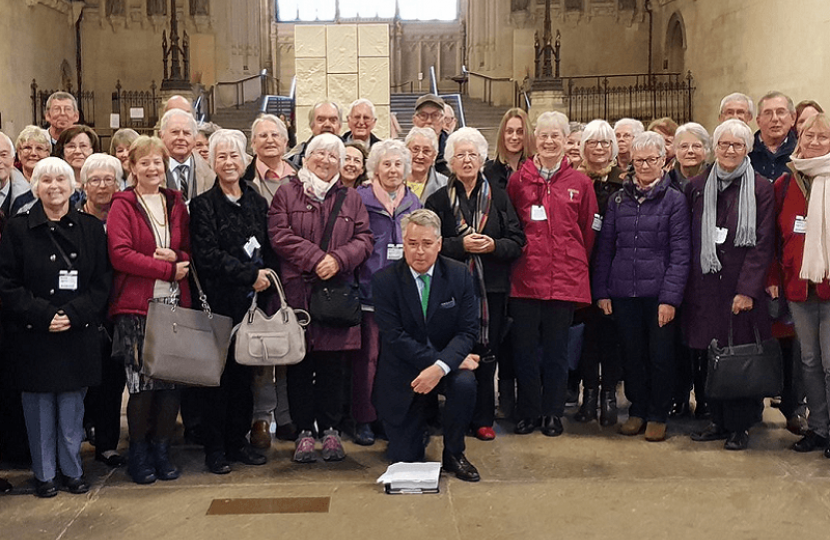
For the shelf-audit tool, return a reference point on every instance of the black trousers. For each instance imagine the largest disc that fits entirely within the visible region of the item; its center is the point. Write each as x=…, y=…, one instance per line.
x=600, y=348
x=406, y=440
x=794, y=394
x=648, y=357
x=228, y=408
x=316, y=390
x=14, y=441
x=485, y=409
x=542, y=379
x=103, y=404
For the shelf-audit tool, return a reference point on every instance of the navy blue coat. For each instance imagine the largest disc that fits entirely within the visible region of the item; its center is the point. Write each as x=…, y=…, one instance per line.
x=409, y=343
x=644, y=248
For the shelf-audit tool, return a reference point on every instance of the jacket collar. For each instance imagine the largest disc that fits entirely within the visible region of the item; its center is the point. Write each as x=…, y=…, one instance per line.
x=657, y=191
x=787, y=147
x=37, y=216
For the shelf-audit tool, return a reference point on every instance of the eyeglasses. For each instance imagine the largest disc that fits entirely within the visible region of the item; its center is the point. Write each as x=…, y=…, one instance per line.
x=625, y=136
x=651, y=161
x=466, y=155
x=322, y=154
x=549, y=136
x=779, y=113
x=723, y=146
x=75, y=147
x=423, y=115
x=697, y=147
x=97, y=182
x=29, y=148
x=424, y=150
x=593, y=144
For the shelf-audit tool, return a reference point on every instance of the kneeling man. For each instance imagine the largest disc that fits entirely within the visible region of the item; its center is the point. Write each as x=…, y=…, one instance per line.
x=427, y=314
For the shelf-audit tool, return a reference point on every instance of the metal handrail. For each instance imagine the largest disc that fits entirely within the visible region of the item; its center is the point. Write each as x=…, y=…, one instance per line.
x=401, y=85
x=293, y=89
x=488, y=84
x=433, y=82
x=490, y=77
x=240, y=85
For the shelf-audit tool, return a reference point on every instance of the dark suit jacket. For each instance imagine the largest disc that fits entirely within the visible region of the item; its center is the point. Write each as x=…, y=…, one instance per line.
x=409, y=344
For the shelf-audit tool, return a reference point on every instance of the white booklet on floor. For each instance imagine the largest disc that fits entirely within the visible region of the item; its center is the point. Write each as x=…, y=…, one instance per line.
x=411, y=477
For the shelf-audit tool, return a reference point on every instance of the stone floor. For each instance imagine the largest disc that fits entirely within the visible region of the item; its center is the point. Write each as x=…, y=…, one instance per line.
x=589, y=483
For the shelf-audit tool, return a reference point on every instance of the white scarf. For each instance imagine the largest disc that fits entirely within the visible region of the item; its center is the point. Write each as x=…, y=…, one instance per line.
x=314, y=186
x=815, y=264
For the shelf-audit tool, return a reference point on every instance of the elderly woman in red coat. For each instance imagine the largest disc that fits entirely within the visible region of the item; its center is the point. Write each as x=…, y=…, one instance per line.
x=296, y=221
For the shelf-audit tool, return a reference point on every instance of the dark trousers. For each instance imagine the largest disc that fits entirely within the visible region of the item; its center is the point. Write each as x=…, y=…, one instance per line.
x=316, y=390
x=542, y=379
x=794, y=393
x=485, y=409
x=733, y=414
x=103, y=405
x=648, y=357
x=228, y=408
x=364, y=366
x=600, y=348
x=14, y=444
x=406, y=440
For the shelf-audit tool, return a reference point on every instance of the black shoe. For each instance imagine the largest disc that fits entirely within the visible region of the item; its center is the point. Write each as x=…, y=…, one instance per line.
x=363, y=434
x=552, y=426
x=572, y=397
x=45, y=490
x=702, y=411
x=590, y=403
x=737, y=440
x=5, y=486
x=114, y=460
x=217, y=464
x=608, y=407
x=525, y=426
x=161, y=459
x=140, y=467
x=680, y=409
x=76, y=486
x=286, y=432
x=811, y=441
x=89, y=434
x=463, y=469
x=712, y=433
x=827, y=452
x=246, y=455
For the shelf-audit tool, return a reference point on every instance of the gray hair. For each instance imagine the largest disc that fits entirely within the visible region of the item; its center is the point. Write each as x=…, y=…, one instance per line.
x=449, y=111
x=362, y=101
x=739, y=97
x=6, y=138
x=776, y=94
x=423, y=218
x=697, y=131
x=61, y=96
x=178, y=112
x=635, y=125
x=384, y=148
x=599, y=130
x=330, y=143
x=34, y=133
x=281, y=129
x=97, y=162
x=649, y=139
x=427, y=133
x=51, y=166
x=207, y=128
x=736, y=128
x=234, y=137
x=466, y=135
x=313, y=111
x=555, y=120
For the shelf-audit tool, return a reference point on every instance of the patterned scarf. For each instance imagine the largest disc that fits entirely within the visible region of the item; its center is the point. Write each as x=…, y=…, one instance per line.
x=484, y=200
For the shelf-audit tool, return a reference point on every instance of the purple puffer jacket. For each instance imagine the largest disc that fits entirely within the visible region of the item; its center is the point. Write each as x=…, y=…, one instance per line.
x=643, y=249
x=386, y=230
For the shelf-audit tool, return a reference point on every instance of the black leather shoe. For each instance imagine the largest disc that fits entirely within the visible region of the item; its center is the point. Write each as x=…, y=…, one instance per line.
x=552, y=426
x=827, y=452
x=286, y=432
x=680, y=409
x=5, y=486
x=246, y=455
x=525, y=426
x=217, y=464
x=463, y=469
x=712, y=433
x=76, y=486
x=811, y=441
x=45, y=490
x=737, y=440
x=114, y=460
x=702, y=411
x=363, y=434
x=165, y=470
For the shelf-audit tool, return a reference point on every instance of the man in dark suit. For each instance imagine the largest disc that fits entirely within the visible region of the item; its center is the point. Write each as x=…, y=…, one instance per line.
x=427, y=315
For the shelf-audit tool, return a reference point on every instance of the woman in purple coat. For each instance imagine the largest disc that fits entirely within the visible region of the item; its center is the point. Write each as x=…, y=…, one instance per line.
x=296, y=221
x=733, y=230
x=640, y=272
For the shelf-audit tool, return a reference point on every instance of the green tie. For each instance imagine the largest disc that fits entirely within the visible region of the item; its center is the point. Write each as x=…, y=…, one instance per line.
x=425, y=279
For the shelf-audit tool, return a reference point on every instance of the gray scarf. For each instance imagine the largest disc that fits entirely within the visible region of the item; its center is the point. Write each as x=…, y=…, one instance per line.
x=718, y=181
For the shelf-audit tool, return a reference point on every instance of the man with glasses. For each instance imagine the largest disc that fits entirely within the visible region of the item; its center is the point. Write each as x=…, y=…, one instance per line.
x=324, y=117
x=14, y=189
x=776, y=139
x=61, y=113
x=429, y=113
x=361, y=119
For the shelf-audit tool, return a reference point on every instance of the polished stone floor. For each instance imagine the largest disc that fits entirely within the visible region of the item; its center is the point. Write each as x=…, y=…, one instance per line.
x=589, y=483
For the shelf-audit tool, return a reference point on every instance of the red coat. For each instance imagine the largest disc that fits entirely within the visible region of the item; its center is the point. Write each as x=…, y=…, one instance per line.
x=554, y=262
x=789, y=203
x=131, y=246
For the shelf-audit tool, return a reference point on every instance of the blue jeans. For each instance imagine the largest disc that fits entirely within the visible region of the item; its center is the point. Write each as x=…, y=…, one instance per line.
x=812, y=325
x=55, y=428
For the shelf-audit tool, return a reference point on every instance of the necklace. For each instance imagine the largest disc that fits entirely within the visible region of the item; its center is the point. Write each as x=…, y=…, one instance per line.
x=158, y=226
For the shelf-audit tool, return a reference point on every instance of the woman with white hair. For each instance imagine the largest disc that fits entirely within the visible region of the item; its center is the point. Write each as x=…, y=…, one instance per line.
x=297, y=219
x=387, y=200
x=269, y=138
x=480, y=228
x=625, y=130
x=32, y=145
x=556, y=207
x=101, y=176
x=423, y=179
x=692, y=148
x=733, y=231
x=229, y=242
x=601, y=346
x=640, y=272
x=54, y=283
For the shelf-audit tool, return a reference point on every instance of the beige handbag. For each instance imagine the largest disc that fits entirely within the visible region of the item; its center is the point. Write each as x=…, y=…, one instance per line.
x=278, y=340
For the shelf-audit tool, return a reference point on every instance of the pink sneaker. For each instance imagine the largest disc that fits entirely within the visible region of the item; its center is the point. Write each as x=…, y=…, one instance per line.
x=304, y=452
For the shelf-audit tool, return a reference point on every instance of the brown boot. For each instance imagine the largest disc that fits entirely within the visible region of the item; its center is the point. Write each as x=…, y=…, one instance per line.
x=260, y=435
x=633, y=426
x=656, y=431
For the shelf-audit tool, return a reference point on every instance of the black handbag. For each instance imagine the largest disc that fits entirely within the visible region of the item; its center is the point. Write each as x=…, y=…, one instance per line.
x=335, y=302
x=744, y=371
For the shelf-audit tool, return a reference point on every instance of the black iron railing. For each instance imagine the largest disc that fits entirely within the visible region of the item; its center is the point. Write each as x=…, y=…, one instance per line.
x=138, y=109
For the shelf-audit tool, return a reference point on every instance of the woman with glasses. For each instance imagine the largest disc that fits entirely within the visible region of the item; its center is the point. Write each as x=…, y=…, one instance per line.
x=640, y=272
x=692, y=149
x=733, y=230
x=74, y=146
x=297, y=218
x=423, y=179
x=32, y=145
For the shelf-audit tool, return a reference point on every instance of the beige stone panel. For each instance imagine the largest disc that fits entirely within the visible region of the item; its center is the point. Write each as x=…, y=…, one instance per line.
x=303, y=131
x=382, y=126
x=373, y=40
x=311, y=80
x=309, y=41
x=374, y=80
x=341, y=48
x=343, y=89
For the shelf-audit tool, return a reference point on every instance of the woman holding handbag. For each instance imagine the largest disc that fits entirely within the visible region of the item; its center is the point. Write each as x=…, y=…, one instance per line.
x=732, y=246
x=231, y=251
x=148, y=234
x=320, y=230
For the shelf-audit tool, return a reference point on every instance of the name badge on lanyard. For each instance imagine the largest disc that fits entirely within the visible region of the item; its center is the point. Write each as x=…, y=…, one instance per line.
x=537, y=213
x=394, y=252
x=597, y=224
x=68, y=280
x=720, y=234
x=800, y=226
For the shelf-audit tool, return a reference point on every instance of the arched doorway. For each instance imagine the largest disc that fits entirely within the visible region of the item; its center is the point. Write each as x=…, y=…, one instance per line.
x=675, y=61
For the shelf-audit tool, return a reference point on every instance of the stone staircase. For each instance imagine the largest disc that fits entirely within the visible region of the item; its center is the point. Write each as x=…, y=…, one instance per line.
x=485, y=118
x=241, y=118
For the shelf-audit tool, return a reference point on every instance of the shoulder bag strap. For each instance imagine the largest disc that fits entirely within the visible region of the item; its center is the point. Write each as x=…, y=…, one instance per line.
x=338, y=203
x=202, y=295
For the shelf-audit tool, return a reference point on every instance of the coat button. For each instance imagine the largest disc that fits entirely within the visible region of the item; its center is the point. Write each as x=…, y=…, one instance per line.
x=73, y=255
x=52, y=257
x=28, y=327
x=71, y=224
x=308, y=207
x=51, y=291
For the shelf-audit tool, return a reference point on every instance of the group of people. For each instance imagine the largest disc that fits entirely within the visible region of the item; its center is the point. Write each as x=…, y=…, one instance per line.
x=641, y=245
